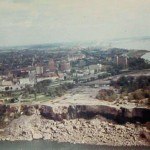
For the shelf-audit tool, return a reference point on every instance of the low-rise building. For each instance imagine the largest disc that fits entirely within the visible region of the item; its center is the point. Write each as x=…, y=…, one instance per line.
x=95, y=68
x=6, y=83
x=24, y=81
x=74, y=57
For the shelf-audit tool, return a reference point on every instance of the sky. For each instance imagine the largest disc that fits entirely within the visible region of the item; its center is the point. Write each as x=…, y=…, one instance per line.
x=24, y=22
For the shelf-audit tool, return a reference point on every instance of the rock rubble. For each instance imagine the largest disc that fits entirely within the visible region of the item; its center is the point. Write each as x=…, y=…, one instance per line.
x=92, y=131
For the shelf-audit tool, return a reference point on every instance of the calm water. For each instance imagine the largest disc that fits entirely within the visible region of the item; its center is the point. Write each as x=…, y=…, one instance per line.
x=47, y=145
x=132, y=44
x=146, y=56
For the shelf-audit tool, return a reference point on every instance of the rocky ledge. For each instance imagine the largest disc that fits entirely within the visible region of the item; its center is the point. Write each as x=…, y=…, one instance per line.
x=76, y=124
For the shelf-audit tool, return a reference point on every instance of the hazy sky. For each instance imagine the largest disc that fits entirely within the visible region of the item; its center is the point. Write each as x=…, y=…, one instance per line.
x=46, y=21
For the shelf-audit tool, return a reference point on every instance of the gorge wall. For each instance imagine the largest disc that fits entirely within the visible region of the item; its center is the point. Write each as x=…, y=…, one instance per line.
x=120, y=115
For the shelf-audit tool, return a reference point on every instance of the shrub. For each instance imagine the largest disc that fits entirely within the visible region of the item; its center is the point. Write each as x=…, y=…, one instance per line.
x=106, y=94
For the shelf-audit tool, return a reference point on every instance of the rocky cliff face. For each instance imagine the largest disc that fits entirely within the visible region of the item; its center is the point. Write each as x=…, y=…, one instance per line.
x=120, y=115
x=75, y=123
x=58, y=113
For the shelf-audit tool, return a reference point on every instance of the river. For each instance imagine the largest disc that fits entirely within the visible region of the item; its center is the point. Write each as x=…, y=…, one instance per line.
x=47, y=145
x=132, y=44
x=146, y=56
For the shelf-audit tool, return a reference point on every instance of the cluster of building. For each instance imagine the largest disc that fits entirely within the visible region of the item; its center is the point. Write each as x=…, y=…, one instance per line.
x=53, y=69
x=56, y=68
x=74, y=57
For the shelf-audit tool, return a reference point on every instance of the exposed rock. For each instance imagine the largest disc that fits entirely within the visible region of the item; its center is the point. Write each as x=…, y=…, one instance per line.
x=37, y=135
x=93, y=131
x=147, y=125
x=85, y=124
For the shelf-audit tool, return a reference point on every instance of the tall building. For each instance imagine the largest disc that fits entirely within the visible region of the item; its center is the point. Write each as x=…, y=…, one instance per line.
x=39, y=69
x=121, y=60
x=51, y=65
x=65, y=66
x=32, y=76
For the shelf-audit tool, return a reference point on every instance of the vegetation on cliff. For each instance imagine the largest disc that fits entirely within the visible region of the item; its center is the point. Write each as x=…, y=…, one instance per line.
x=106, y=94
x=138, y=63
x=132, y=83
x=136, y=89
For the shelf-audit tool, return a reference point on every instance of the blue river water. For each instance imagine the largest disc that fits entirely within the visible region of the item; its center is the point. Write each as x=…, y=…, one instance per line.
x=47, y=145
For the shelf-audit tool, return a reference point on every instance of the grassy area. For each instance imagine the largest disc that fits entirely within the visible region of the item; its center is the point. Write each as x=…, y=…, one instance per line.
x=39, y=98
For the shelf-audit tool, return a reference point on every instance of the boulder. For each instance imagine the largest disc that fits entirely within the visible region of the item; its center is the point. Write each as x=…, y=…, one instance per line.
x=37, y=135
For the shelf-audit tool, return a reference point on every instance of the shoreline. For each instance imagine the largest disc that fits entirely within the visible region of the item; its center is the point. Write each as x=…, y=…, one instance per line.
x=86, y=144
x=46, y=145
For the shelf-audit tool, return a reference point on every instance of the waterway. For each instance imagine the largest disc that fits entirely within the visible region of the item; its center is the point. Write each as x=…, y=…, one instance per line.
x=47, y=145
x=132, y=44
x=146, y=56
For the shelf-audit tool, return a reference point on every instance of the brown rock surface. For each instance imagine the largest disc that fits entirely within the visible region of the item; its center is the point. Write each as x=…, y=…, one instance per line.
x=93, y=131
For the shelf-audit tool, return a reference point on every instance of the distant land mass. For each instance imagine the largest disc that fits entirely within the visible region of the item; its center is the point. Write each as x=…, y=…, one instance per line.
x=138, y=43
x=52, y=45
x=132, y=43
